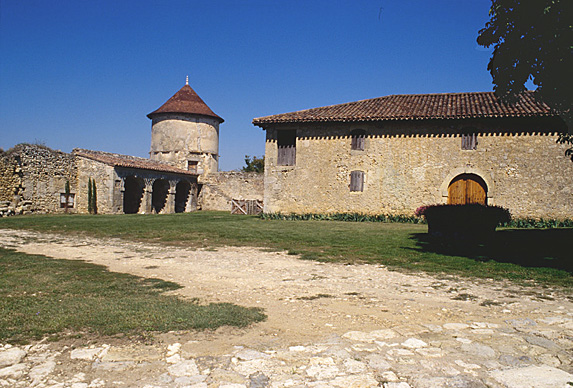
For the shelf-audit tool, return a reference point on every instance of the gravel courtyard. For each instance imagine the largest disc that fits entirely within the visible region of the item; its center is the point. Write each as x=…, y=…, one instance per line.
x=329, y=325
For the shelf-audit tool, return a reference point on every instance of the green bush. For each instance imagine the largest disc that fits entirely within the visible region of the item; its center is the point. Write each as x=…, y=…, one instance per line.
x=463, y=222
x=350, y=217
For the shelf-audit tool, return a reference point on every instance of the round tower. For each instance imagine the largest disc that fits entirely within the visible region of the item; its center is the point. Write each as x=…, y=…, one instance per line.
x=185, y=133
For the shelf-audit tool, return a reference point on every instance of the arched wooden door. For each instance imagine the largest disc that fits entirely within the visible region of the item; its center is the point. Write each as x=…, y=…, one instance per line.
x=467, y=188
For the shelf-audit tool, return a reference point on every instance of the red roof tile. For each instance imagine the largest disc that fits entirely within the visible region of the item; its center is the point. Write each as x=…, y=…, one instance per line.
x=117, y=160
x=188, y=102
x=416, y=107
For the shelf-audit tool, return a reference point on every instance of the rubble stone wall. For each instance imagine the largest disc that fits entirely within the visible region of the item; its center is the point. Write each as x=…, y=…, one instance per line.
x=410, y=164
x=42, y=174
x=10, y=180
x=220, y=188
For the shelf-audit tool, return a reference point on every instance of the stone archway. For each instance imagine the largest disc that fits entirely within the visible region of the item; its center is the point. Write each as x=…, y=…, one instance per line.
x=133, y=193
x=467, y=188
x=159, y=195
x=182, y=192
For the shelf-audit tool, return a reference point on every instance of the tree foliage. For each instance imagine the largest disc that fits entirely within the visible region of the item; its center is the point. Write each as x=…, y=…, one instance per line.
x=254, y=164
x=90, y=195
x=532, y=40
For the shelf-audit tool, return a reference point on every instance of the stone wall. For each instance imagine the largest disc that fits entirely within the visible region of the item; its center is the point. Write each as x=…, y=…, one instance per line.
x=105, y=178
x=409, y=164
x=220, y=188
x=39, y=177
x=10, y=179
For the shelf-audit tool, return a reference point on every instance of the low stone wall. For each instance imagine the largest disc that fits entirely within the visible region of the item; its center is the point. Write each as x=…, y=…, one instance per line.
x=220, y=188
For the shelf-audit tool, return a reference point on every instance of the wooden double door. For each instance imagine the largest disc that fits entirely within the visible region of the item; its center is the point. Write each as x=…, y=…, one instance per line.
x=467, y=188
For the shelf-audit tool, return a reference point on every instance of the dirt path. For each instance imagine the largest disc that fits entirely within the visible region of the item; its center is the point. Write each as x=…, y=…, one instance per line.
x=306, y=302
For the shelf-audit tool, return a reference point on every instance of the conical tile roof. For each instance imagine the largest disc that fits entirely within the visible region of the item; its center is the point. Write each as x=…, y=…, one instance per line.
x=186, y=101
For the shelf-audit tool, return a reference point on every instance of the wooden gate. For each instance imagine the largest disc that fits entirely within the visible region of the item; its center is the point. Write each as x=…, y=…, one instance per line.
x=246, y=206
x=467, y=188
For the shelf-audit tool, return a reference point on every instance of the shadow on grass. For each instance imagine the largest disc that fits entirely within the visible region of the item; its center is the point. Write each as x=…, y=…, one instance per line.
x=545, y=248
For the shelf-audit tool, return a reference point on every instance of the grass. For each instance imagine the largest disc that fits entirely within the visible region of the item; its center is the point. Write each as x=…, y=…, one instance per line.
x=42, y=297
x=522, y=256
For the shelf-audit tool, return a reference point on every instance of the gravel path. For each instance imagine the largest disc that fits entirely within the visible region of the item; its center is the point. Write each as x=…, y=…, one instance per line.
x=329, y=325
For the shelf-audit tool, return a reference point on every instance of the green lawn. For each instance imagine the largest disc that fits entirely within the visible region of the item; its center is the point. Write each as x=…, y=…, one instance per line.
x=40, y=296
x=524, y=256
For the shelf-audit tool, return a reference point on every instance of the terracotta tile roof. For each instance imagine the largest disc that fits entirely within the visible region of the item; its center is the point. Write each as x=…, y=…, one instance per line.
x=416, y=107
x=117, y=160
x=188, y=102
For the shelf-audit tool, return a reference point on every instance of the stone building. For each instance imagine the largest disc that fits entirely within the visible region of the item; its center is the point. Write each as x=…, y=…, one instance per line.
x=185, y=133
x=395, y=153
x=181, y=174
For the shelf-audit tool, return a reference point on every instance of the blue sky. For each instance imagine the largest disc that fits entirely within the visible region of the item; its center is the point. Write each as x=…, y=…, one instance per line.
x=79, y=73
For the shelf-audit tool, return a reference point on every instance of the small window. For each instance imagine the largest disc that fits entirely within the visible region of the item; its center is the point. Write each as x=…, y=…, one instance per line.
x=357, y=136
x=357, y=181
x=70, y=200
x=286, y=142
x=469, y=141
x=192, y=165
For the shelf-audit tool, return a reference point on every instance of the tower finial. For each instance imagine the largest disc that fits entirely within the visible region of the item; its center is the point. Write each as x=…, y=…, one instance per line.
x=187, y=80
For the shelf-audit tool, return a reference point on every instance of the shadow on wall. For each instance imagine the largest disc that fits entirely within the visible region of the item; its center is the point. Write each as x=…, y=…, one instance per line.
x=550, y=248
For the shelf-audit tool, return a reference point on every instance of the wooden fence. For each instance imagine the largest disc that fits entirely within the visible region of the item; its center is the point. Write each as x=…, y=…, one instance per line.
x=246, y=206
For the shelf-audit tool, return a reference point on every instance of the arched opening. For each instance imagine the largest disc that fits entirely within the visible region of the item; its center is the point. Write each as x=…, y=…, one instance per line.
x=159, y=196
x=182, y=191
x=467, y=188
x=132, y=195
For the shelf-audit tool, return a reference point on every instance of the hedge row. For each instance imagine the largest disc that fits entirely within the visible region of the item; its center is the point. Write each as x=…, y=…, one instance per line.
x=532, y=223
x=525, y=223
x=350, y=217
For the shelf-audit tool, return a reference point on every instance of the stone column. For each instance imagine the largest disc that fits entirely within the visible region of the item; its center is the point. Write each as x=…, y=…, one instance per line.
x=191, y=204
x=170, y=202
x=118, y=195
x=146, y=205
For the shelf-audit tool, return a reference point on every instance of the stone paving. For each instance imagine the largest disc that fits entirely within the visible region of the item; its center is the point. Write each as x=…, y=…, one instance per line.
x=522, y=344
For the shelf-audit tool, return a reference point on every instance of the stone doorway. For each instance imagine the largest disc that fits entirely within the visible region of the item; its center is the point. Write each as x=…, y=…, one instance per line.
x=133, y=194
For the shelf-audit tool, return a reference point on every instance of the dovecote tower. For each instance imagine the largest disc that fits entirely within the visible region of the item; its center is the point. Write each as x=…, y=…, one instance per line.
x=185, y=133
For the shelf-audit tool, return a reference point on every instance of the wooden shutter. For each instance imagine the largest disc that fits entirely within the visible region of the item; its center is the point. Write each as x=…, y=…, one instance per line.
x=357, y=181
x=469, y=141
x=358, y=139
x=286, y=143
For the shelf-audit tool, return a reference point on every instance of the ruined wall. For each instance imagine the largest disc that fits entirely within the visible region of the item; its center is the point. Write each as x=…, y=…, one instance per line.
x=39, y=177
x=178, y=139
x=220, y=188
x=10, y=180
x=409, y=164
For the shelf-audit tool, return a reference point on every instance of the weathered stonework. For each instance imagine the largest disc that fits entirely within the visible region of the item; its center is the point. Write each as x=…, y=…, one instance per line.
x=10, y=180
x=184, y=147
x=408, y=164
x=220, y=188
x=155, y=191
x=36, y=176
x=180, y=139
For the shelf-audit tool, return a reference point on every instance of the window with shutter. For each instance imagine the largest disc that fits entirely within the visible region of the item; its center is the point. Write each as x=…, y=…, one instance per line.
x=358, y=137
x=286, y=142
x=469, y=141
x=357, y=181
